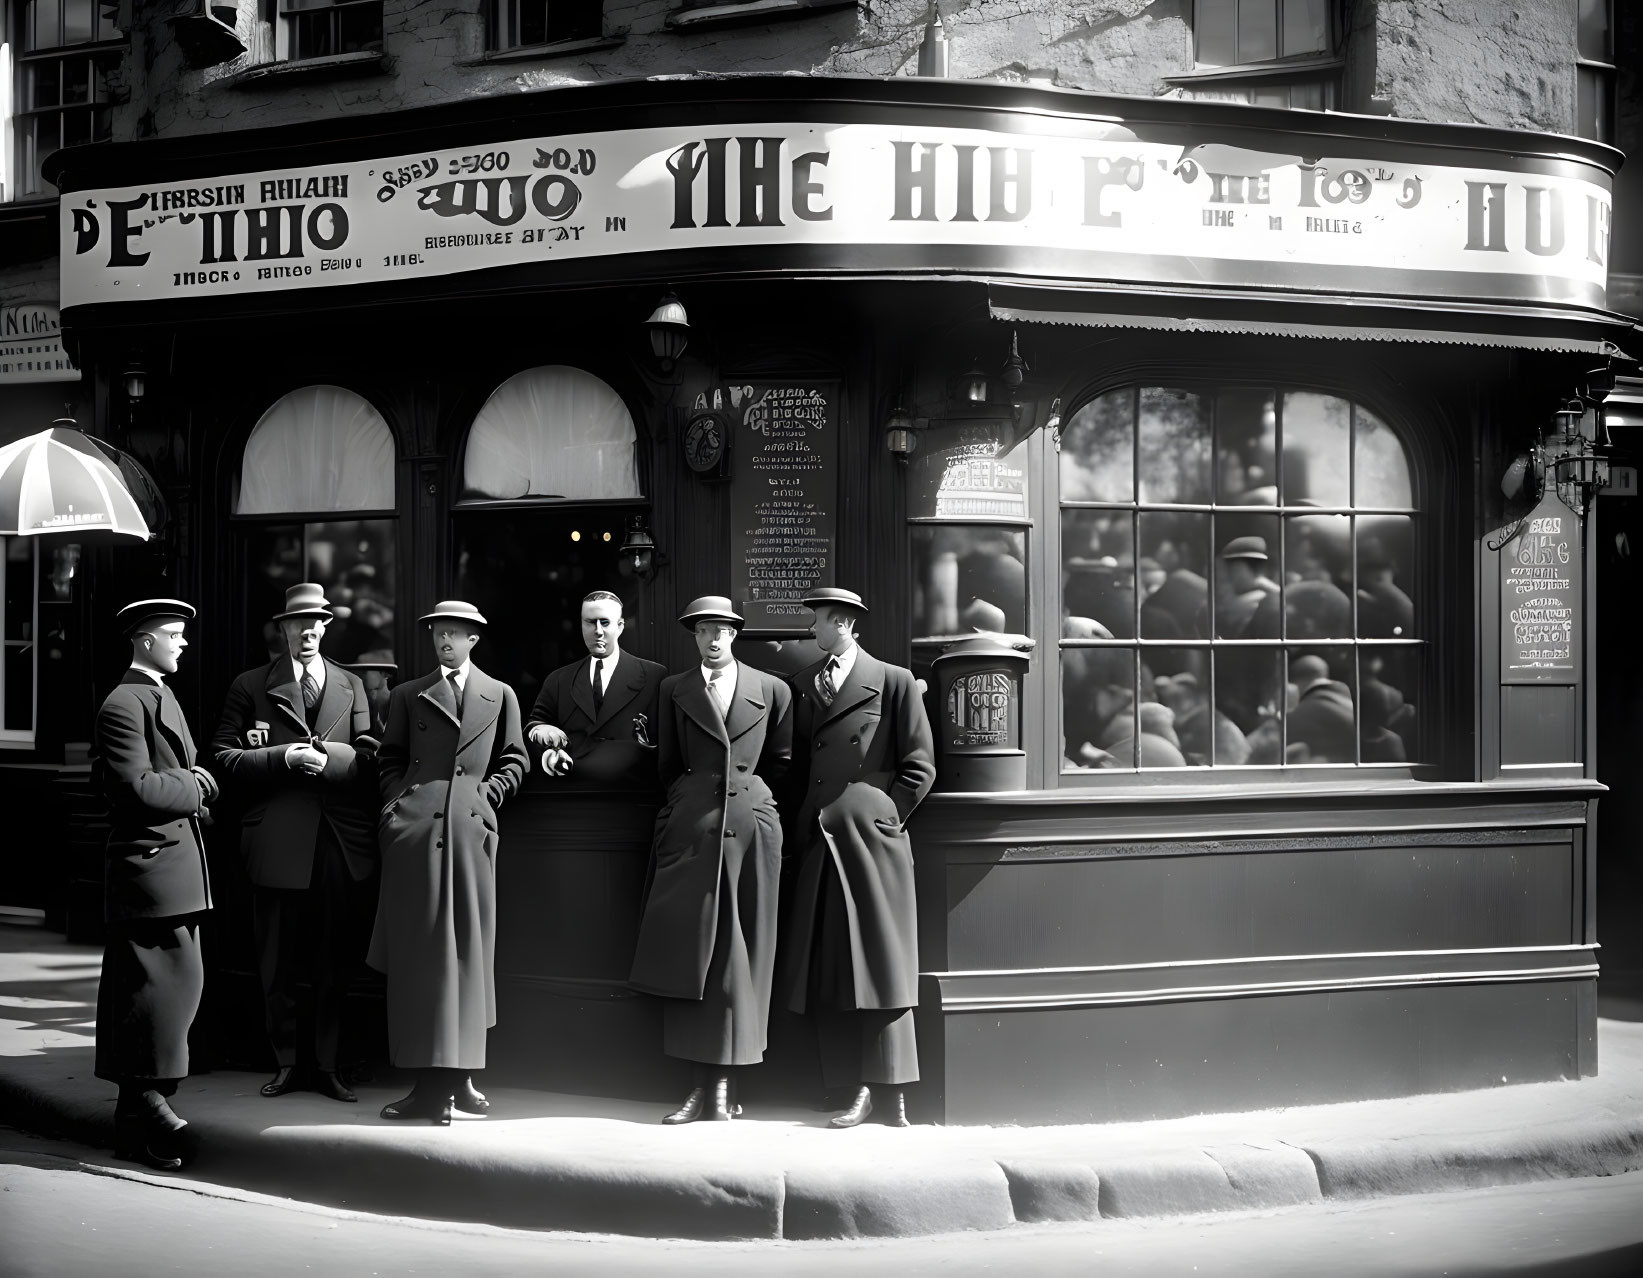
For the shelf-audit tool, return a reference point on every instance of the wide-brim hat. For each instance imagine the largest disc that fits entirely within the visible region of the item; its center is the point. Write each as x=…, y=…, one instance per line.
x=710, y=608
x=1246, y=548
x=359, y=667
x=457, y=610
x=838, y=596
x=133, y=615
x=306, y=599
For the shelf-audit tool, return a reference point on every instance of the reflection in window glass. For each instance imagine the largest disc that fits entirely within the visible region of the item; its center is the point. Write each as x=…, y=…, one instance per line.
x=1098, y=571
x=1381, y=467
x=1318, y=577
x=1246, y=452
x=1385, y=544
x=1173, y=575
x=353, y=559
x=1317, y=460
x=969, y=470
x=1098, y=450
x=1257, y=30
x=968, y=578
x=1306, y=28
x=1215, y=24
x=1098, y=708
x=1175, y=449
x=1320, y=725
x=1247, y=593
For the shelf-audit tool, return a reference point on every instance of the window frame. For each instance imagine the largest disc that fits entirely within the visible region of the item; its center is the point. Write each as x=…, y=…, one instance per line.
x=503, y=22
x=1598, y=72
x=21, y=738
x=102, y=53
x=1311, y=69
x=287, y=25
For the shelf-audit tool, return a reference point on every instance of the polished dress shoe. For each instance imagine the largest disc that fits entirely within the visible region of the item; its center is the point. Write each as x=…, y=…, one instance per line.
x=327, y=1082
x=470, y=1100
x=893, y=1108
x=711, y=1102
x=859, y=1109
x=436, y=1109
x=151, y=1141
x=284, y=1080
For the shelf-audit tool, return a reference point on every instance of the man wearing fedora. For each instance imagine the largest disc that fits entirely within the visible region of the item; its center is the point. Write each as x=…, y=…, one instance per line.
x=707, y=934
x=291, y=745
x=155, y=888
x=452, y=753
x=863, y=759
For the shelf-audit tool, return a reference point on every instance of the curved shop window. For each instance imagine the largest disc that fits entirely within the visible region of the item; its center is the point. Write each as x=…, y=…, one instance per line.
x=548, y=477
x=314, y=501
x=1238, y=583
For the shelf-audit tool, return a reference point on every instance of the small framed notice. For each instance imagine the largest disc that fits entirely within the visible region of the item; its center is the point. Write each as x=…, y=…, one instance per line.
x=1542, y=618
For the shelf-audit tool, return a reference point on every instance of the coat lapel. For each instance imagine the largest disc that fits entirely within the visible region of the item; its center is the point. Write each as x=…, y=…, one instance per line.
x=334, y=702
x=747, y=707
x=481, y=704
x=439, y=695
x=691, y=694
x=581, y=687
x=284, y=693
x=865, y=681
x=626, y=682
x=169, y=716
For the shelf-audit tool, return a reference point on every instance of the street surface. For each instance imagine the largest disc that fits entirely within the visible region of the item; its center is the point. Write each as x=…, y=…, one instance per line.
x=60, y=1220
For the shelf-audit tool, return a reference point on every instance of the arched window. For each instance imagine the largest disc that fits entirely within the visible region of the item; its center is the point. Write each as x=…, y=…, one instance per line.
x=1237, y=582
x=318, y=448
x=551, y=433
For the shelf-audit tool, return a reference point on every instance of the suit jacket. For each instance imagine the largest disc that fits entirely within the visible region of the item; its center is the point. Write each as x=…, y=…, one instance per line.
x=262, y=717
x=605, y=744
x=864, y=763
x=155, y=865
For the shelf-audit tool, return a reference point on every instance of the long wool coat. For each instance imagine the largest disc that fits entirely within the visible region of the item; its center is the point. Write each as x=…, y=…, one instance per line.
x=442, y=780
x=864, y=763
x=719, y=811
x=605, y=743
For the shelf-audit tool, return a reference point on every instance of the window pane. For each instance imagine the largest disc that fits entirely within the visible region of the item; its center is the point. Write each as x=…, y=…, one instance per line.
x=47, y=30
x=79, y=21
x=1098, y=573
x=967, y=471
x=19, y=578
x=573, y=19
x=1246, y=448
x=1175, y=452
x=76, y=80
x=1593, y=38
x=1321, y=723
x=317, y=448
x=354, y=559
x=1097, y=708
x=1306, y=27
x=19, y=687
x=1249, y=694
x=1180, y=680
x=553, y=431
x=1257, y=30
x=967, y=579
x=1385, y=553
x=1380, y=466
x=1592, y=105
x=1389, y=725
x=43, y=88
x=1098, y=450
x=1318, y=577
x=1174, y=576
x=1246, y=585
x=1215, y=23
x=1317, y=437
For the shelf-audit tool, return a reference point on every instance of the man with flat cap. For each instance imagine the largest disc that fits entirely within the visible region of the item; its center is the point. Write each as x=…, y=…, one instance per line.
x=452, y=753
x=155, y=886
x=595, y=719
x=707, y=934
x=863, y=759
x=291, y=745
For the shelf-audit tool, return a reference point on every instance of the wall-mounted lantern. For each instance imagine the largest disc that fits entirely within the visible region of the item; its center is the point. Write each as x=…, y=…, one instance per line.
x=135, y=378
x=638, y=549
x=900, y=433
x=669, y=329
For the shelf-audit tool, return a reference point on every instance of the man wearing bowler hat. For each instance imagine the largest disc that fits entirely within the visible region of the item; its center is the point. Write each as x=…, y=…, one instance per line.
x=291, y=745
x=863, y=759
x=155, y=888
x=707, y=934
x=452, y=754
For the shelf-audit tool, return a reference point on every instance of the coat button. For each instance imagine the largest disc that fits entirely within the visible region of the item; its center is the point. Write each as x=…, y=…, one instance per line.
x=855, y=740
x=438, y=816
x=818, y=780
x=741, y=767
x=821, y=745
x=421, y=725
x=439, y=843
x=459, y=769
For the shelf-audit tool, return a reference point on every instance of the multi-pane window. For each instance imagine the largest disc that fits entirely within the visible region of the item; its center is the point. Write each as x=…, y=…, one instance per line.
x=522, y=23
x=1594, y=70
x=325, y=28
x=1235, y=584
x=66, y=52
x=1264, y=34
x=19, y=631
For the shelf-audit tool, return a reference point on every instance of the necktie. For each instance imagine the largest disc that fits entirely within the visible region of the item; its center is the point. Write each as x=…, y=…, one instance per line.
x=456, y=691
x=716, y=690
x=310, y=690
x=827, y=681
x=598, y=685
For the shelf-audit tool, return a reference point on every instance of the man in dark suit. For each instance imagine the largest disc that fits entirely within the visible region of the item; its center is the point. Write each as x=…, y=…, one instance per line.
x=594, y=719
x=155, y=888
x=291, y=744
x=451, y=755
x=863, y=759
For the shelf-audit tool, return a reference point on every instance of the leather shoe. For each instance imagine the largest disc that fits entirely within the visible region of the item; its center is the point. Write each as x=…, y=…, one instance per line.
x=140, y=1138
x=708, y=1102
x=470, y=1100
x=894, y=1112
x=691, y=1110
x=437, y=1109
x=859, y=1109
x=327, y=1082
x=284, y=1080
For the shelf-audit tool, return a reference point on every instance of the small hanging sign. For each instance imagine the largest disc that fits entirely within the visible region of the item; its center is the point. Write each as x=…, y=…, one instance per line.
x=1541, y=606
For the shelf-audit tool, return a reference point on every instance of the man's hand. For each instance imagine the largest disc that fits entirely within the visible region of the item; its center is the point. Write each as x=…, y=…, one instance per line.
x=545, y=734
x=557, y=763
x=207, y=784
x=302, y=757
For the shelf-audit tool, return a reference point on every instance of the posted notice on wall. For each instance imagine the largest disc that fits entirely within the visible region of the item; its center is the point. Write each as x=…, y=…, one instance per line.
x=1541, y=625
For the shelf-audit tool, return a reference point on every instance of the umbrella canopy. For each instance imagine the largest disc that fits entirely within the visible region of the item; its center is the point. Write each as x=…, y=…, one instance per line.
x=59, y=481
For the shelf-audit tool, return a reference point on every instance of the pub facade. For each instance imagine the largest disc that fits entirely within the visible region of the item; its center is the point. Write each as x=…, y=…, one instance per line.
x=1225, y=472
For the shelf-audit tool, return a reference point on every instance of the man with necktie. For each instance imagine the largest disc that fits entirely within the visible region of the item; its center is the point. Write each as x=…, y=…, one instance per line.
x=292, y=745
x=452, y=754
x=707, y=935
x=155, y=888
x=864, y=756
x=595, y=718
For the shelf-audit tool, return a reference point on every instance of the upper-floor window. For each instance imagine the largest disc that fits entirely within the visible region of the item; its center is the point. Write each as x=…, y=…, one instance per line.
x=1594, y=69
x=65, y=52
x=1267, y=52
x=517, y=24
x=325, y=28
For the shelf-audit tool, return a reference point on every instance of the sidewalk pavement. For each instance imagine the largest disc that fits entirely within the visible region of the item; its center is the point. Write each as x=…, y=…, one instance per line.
x=599, y=1165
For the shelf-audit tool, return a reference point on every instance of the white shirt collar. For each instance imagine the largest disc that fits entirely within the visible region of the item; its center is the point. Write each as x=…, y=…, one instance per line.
x=316, y=667
x=727, y=678
x=847, y=662
x=461, y=673
x=152, y=674
x=608, y=662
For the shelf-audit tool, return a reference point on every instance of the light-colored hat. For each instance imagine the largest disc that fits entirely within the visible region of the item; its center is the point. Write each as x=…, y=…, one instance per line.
x=133, y=615
x=710, y=608
x=457, y=610
x=1246, y=548
x=835, y=595
x=306, y=599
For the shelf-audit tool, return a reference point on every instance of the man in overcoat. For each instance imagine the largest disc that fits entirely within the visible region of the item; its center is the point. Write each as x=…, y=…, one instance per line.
x=863, y=759
x=156, y=888
x=292, y=742
x=452, y=753
x=595, y=719
x=707, y=935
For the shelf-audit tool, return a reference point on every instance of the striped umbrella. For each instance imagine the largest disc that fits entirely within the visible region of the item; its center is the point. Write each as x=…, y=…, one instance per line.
x=59, y=481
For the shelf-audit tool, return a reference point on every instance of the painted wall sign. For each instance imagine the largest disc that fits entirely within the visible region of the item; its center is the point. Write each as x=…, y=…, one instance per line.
x=31, y=346
x=1541, y=623
x=783, y=491
x=1057, y=199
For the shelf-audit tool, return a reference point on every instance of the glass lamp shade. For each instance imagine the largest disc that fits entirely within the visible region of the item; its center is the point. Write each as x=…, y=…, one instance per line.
x=135, y=380
x=900, y=437
x=973, y=387
x=638, y=550
x=669, y=329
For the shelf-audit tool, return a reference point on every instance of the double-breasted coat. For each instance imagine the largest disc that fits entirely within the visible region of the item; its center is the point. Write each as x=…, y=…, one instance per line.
x=708, y=926
x=864, y=763
x=283, y=809
x=443, y=777
x=605, y=743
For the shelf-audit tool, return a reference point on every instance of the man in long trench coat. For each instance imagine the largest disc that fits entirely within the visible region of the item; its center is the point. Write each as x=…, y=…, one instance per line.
x=707, y=936
x=451, y=754
x=865, y=757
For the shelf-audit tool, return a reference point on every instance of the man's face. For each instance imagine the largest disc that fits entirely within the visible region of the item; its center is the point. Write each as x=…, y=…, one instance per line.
x=834, y=628
x=713, y=640
x=453, y=642
x=302, y=636
x=164, y=643
x=602, y=626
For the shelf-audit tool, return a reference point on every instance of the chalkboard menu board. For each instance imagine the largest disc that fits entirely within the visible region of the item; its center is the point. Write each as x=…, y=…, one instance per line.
x=969, y=470
x=782, y=496
x=1541, y=631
